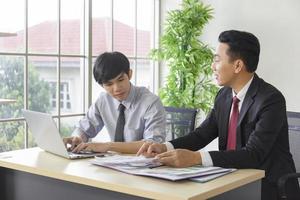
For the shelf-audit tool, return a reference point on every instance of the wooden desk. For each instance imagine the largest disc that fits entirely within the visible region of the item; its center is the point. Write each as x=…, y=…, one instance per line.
x=36, y=174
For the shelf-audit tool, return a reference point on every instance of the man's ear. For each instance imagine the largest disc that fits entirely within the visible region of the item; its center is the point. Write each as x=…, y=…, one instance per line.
x=130, y=74
x=238, y=65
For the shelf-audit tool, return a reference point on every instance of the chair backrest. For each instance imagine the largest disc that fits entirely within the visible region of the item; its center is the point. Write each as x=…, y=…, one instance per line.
x=180, y=121
x=294, y=136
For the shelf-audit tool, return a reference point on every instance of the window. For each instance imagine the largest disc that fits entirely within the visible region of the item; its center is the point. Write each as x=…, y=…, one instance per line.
x=65, y=101
x=49, y=58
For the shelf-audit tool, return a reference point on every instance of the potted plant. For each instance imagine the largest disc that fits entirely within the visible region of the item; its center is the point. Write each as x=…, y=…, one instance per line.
x=188, y=84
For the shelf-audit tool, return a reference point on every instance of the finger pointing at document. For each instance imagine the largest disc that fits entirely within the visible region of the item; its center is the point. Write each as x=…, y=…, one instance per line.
x=151, y=149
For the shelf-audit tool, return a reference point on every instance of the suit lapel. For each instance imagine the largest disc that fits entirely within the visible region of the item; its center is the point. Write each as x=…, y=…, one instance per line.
x=249, y=98
x=248, y=101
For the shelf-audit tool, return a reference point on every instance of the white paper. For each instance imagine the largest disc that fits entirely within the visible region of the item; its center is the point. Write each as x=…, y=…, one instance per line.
x=206, y=178
x=139, y=165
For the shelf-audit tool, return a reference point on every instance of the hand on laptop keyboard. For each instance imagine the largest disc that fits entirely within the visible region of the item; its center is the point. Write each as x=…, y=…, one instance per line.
x=91, y=147
x=72, y=142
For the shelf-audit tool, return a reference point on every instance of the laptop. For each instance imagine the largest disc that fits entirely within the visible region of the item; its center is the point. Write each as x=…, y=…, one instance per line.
x=47, y=136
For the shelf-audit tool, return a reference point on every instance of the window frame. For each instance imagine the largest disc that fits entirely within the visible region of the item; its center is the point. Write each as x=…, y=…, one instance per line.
x=88, y=57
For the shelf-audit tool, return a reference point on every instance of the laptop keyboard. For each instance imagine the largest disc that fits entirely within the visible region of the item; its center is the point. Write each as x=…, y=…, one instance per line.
x=81, y=153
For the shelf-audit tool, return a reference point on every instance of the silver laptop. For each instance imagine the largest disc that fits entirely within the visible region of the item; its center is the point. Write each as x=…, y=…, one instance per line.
x=47, y=136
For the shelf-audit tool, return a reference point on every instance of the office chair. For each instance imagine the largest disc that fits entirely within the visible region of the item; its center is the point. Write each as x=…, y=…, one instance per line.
x=294, y=138
x=180, y=121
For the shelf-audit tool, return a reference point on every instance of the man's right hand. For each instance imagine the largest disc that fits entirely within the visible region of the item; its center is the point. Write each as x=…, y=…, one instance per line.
x=73, y=141
x=150, y=149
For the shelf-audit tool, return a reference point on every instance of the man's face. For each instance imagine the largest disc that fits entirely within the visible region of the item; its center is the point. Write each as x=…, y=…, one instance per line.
x=224, y=69
x=119, y=87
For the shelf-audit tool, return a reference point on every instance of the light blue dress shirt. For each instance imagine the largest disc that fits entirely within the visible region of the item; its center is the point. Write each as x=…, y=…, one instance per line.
x=145, y=117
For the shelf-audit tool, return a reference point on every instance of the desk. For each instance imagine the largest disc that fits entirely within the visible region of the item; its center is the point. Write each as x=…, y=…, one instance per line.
x=35, y=174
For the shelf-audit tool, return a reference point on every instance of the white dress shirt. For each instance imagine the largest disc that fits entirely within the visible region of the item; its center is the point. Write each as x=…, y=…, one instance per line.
x=145, y=117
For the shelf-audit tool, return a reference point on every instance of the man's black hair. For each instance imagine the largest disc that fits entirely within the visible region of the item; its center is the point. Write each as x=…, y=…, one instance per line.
x=109, y=65
x=242, y=45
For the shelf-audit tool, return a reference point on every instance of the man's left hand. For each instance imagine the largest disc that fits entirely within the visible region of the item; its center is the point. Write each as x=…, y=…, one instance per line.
x=180, y=158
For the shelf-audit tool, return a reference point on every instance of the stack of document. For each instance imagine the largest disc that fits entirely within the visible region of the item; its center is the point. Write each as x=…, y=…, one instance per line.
x=139, y=165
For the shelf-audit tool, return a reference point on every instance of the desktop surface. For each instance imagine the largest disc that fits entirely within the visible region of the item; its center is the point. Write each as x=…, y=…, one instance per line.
x=39, y=162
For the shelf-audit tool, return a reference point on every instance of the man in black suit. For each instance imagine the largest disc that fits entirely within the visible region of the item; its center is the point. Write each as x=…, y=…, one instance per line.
x=248, y=117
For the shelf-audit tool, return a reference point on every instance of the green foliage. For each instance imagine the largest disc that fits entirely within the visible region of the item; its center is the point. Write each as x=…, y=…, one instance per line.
x=189, y=81
x=12, y=87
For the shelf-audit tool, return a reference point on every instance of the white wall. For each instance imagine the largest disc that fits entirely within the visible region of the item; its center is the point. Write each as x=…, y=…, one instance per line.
x=276, y=24
x=165, y=6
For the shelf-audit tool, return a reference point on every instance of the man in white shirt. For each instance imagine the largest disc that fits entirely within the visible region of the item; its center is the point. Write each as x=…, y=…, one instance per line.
x=131, y=114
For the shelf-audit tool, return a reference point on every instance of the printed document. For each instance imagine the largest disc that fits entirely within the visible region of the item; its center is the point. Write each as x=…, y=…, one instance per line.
x=139, y=165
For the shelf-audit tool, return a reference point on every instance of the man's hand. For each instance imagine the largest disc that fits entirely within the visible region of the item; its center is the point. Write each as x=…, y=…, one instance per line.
x=180, y=158
x=91, y=147
x=73, y=141
x=150, y=149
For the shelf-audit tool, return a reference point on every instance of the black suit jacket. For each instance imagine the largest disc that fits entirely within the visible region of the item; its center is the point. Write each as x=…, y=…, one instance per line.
x=262, y=132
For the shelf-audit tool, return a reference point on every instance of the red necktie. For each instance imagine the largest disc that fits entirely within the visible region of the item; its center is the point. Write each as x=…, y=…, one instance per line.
x=231, y=139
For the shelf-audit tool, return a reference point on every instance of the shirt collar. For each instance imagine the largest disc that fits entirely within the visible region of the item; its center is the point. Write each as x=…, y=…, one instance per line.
x=242, y=93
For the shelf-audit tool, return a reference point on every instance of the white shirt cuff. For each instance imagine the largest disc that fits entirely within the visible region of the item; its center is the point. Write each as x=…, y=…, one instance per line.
x=169, y=146
x=206, y=159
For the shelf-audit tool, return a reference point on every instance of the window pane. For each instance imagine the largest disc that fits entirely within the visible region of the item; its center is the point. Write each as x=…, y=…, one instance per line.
x=133, y=68
x=12, y=85
x=72, y=80
x=42, y=83
x=72, y=26
x=96, y=88
x=67, y=125
x=101, y=26
x=31, y=141
x=42, y=26
x=11, y=136
x=124, y=21
x=145, y=21
x=144, y=74
x=12, y=21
